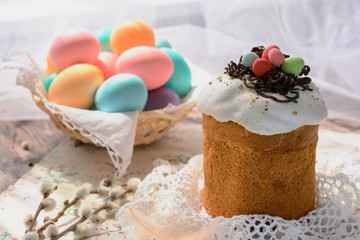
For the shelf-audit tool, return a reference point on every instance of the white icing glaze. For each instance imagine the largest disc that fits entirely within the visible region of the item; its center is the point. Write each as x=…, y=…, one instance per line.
x=227, y=99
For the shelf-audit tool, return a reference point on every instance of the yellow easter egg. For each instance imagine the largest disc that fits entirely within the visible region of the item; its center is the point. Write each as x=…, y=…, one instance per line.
x=50, y=66
x=76, y=86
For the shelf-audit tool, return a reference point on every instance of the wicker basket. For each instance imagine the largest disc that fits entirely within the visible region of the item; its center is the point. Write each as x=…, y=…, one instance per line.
x=151, y=125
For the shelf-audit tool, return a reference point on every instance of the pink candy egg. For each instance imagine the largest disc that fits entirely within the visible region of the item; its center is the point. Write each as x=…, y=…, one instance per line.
x=74, y=46
x=150, y=64
x=261, y=66
x=276, y=57
x=106, y=62
x=266, y=51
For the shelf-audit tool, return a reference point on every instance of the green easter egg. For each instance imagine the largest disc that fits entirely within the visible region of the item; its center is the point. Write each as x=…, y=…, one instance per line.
x=180, y=80
x=49, y=80
x=92, y=108
x=292, y=65
x=161, y=42
x=103, y=36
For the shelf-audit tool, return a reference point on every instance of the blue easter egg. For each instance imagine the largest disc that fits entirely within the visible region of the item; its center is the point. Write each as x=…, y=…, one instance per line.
x=180, y=80
x=121, y=93
x=49, y=80
x=249, y=58
x=160, y=98
x=161, y=42
x=103, y=36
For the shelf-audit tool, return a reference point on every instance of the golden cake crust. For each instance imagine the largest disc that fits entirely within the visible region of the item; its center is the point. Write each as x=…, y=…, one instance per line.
x=247, y=173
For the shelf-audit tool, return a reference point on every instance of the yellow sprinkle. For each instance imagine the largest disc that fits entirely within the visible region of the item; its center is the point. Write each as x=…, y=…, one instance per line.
x=264, y=112
x=259, y=108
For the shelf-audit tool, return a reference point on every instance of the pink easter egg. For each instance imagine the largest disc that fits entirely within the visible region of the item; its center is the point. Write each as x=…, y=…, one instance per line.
x=261, y=66
x=276, y=57
x=74, y=46
x=148, y=63
x=106, y=62
x=266, y=51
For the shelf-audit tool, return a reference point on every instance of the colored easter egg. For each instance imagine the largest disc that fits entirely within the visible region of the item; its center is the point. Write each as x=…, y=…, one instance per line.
x=266, y=51
x=180, y=80
x=161, y=42
x=103, y=36
x=50, y=69
x=129, y=34
x=76, y=85
x=276, y=57
x=121, y=93
x=49, y=80
x=249, y=58
x=74, y=46
x=106, y=62
x=148, y=63
x=261, y=66
x=293, y=65
x=160, y=98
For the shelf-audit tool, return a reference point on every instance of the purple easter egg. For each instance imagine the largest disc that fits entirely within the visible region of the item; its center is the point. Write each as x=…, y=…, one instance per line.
x=160, y=98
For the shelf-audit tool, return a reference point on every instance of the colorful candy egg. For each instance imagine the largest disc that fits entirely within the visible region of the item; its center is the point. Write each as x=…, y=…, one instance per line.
x=74, y=46
x=129, y=34
x=293, y=65
x=50, y=66
x=261, y=66
x=103, y=36
x=121, y=93
x=276, y=57
x=76, y=85
x=150, y=64
x=266, y=51
x=49, y=80
x=180, y=80
x=160, y=98
x=106, y=62
x=161, y=42
x=249, y=58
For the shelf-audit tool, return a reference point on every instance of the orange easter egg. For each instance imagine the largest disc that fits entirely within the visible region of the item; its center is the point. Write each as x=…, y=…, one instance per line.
x=50, y=66
x=76, y=86
x=129, y=34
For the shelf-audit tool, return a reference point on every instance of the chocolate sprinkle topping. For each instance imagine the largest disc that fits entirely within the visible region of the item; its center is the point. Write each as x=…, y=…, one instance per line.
x=275, y=81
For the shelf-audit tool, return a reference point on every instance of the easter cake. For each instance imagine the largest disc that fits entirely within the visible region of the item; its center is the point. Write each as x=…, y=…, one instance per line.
x=118, y=69
x=260, y=125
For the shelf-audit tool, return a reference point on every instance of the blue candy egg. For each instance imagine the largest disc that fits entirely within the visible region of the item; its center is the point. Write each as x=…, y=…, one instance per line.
x=49, y=80
x=161, y=42
x=103, y=36
x=180, y=80
x=121, y=93
x=249, y=58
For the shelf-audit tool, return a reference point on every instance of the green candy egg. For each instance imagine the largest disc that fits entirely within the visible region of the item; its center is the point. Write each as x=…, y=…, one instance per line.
x=292, y=65
x=49, y=80
x=103, y=36
x=180, y=80
x=161, y=42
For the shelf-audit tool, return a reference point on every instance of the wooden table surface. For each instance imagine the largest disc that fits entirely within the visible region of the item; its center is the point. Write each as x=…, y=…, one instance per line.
x=42, y=137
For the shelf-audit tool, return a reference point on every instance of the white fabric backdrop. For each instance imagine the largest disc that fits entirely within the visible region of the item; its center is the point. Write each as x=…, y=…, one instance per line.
x=326, y=33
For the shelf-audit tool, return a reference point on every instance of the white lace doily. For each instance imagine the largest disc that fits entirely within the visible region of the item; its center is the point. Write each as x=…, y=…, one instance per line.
x=168, y=205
